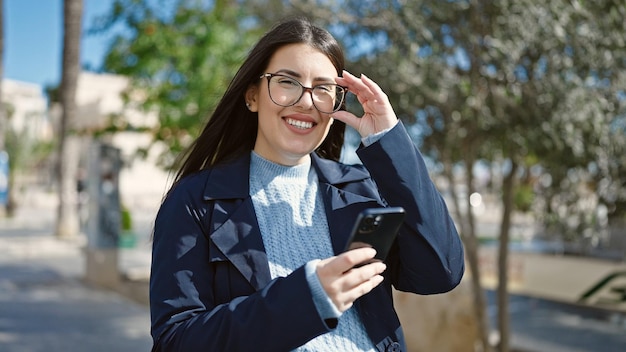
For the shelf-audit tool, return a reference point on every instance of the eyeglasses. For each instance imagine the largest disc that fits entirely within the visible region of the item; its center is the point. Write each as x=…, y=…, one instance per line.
x=286, y=91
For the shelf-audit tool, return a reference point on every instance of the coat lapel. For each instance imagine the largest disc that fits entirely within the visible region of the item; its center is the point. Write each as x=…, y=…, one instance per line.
x=342, y=206
x=239, y=239
x=235, y=231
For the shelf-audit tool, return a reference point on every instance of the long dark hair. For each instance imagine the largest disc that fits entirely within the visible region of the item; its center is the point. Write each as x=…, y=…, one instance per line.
x=231, y=130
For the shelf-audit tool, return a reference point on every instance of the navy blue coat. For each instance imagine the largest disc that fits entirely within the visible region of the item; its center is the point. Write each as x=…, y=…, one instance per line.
x=210, y=286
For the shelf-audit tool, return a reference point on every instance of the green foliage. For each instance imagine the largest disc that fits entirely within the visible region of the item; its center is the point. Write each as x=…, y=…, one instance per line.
x=126, y=219
x=179, y=62
x=523, y=198
x=25, y=151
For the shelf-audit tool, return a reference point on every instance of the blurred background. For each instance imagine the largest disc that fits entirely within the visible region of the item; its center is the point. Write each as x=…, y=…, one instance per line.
x=517, y=105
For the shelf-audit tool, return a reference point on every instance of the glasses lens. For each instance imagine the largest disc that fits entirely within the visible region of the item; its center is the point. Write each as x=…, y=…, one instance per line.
x=328, y=97
x=284, y=91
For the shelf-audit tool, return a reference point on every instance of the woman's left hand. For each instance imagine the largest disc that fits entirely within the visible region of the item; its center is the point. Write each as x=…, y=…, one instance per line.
x=378, y=113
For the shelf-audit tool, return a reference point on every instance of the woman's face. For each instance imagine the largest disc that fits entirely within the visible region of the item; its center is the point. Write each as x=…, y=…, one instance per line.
x=286, y=135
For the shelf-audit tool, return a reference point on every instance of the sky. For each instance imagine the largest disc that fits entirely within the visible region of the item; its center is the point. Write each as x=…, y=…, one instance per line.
x=33, y=39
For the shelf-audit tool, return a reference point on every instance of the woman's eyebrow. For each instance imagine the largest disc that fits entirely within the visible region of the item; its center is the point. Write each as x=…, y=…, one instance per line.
x=289, y=72
x=297, y=75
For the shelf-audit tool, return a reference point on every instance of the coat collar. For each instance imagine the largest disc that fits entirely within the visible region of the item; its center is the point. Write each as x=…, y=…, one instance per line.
x=231, y=180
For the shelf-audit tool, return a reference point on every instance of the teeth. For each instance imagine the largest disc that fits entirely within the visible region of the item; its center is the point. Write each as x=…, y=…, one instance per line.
x=300, y=124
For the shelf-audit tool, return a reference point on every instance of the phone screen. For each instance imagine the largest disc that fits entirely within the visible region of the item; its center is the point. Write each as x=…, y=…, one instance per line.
x=377, y=228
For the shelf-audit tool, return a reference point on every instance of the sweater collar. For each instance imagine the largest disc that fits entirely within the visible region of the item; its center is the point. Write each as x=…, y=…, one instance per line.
x=265, y=170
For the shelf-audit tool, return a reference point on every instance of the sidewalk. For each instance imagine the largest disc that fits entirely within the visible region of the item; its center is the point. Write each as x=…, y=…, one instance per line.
x=46, y=306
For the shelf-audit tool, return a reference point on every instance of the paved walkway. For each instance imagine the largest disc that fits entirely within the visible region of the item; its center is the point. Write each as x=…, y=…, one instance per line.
x=43, y=311
x=538, y=325
x=46, y=306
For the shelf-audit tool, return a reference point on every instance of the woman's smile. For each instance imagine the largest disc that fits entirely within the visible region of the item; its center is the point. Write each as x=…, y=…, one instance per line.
x=303, y=123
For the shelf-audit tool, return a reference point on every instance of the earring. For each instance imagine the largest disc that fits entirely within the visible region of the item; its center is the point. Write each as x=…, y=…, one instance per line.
x=248, y=105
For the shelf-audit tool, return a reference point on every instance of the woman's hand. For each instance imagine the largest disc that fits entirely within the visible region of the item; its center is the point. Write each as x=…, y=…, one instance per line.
x=343, y=282
x=378, y=112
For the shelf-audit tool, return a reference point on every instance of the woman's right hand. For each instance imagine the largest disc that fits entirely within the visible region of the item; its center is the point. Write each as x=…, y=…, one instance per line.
x=343, y=282
x=378, y=114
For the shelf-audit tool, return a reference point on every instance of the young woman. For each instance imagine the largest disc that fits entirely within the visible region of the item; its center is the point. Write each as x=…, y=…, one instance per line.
x=248, y=251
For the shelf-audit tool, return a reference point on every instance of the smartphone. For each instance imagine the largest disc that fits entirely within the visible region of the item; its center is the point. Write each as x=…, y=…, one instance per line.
x=377, y=228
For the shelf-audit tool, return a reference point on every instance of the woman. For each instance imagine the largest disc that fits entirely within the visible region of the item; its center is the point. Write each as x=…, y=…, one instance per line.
x=248, y=251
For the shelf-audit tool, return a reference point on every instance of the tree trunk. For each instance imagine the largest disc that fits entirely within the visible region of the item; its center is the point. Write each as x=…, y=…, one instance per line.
x=471, y=244
x=470, y=241
x=508, y=187
x=68, y=220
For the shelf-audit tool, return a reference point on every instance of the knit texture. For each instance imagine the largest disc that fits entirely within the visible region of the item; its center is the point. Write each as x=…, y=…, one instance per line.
x=293, y=224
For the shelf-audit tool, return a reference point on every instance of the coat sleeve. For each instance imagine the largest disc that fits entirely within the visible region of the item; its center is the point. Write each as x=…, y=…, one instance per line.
x=428, y=254
x=184, y=292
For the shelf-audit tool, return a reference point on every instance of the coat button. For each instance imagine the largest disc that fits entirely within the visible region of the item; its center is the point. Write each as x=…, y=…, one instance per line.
x=394, y=347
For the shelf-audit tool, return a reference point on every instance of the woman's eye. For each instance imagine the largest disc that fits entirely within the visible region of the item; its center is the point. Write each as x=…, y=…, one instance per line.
x=325, y=88
x=287, y=82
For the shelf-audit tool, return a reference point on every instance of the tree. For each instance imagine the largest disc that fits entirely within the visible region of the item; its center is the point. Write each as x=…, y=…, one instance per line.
x=67, y=225
x=583, y=157
x=179, y=61
x=26, y=153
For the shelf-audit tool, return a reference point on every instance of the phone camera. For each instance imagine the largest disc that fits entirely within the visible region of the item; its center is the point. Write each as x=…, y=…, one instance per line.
x=370, y=223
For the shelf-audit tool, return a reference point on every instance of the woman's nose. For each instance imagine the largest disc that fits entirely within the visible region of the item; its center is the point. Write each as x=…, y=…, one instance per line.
x=306, y=100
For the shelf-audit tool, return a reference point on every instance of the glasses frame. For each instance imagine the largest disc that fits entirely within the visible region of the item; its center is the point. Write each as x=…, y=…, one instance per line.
x=305, y=89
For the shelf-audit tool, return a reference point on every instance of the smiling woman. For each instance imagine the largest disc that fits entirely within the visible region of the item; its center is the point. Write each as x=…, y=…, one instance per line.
x=248, y=250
